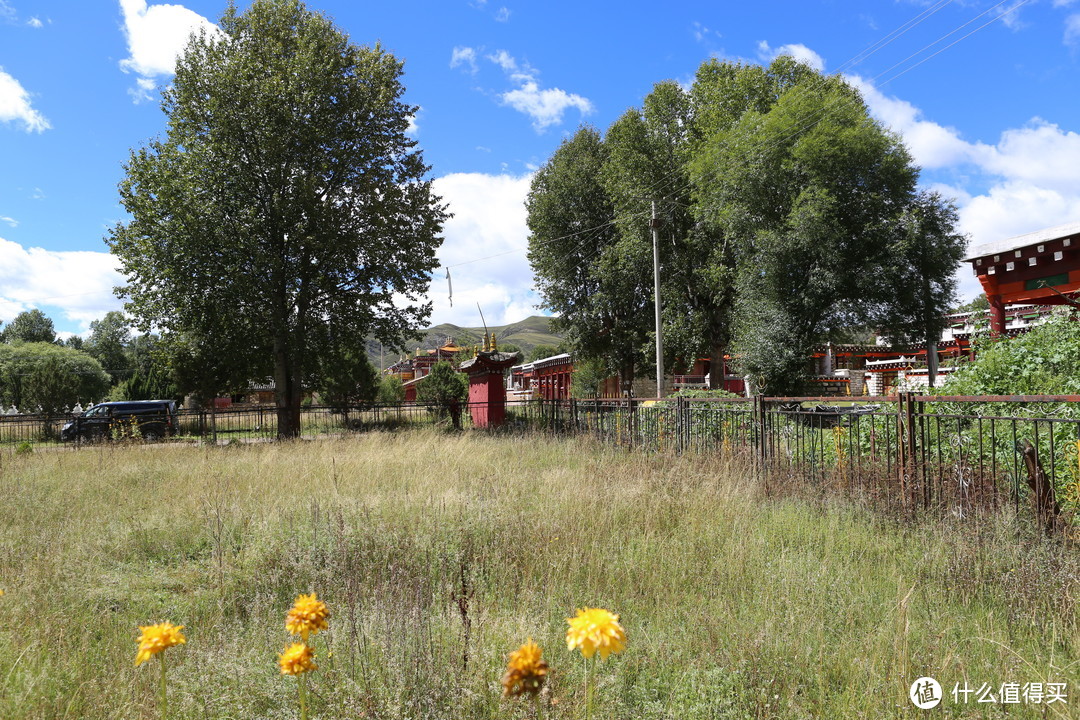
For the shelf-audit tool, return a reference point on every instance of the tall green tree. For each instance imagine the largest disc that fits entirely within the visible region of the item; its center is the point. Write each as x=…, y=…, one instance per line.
x=49, y=376
x=586, y=270
x=287, y=208
x=31, y=326
x=108, y=344
x=347, y=378
x=152, y=375
x=819, y=203
x=788, y=217
x=391, y=390
x=649, y=150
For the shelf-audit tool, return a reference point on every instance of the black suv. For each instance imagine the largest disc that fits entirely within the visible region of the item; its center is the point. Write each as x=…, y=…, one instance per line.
x=149, y=419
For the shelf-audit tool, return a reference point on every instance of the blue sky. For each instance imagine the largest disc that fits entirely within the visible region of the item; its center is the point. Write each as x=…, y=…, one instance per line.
x=984, y=92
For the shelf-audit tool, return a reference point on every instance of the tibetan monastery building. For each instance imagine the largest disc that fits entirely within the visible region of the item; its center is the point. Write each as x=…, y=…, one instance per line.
x=1040, y=268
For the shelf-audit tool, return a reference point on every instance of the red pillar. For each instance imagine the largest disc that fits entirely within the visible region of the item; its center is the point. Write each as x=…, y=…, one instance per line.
x=997, y=316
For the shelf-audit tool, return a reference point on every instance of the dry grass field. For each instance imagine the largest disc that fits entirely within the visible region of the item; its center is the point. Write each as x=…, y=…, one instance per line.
x=438, y=554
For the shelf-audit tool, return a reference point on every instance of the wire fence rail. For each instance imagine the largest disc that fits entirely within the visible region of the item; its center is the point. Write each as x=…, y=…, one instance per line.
x=954, y=455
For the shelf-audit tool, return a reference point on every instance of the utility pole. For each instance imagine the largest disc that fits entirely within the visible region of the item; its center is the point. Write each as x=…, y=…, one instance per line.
x=654, y=223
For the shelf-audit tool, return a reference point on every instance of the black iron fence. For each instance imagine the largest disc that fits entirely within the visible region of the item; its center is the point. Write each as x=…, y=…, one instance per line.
x=955, y=455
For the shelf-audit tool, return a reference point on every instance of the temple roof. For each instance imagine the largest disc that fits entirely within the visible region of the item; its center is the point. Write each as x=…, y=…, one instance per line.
x=490, y=358
x=561, y=359
x=1021, y=241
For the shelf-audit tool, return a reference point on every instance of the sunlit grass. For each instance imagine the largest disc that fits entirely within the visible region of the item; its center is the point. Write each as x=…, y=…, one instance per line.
x=438, y=554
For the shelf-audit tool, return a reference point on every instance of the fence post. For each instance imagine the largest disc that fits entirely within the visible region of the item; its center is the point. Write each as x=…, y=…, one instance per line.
x=680, y=425
x=760, y=430
x=906, y=443
x=901, y=454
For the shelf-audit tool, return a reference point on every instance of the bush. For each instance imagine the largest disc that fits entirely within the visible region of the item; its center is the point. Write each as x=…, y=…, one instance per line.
x=447, y=389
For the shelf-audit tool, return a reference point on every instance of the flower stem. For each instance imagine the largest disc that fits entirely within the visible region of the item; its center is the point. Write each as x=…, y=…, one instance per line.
x=539, y=707
x=301, y=684
x=164, y=698
x=588, y=689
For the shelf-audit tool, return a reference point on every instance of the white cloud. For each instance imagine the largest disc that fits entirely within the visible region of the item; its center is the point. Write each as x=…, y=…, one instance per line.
x=15, y=105
x=1072, y=30
x=464, y=56
x=1027, y=180
x=156, y=35
x=10, y=221
x=35, y=23
x=6, y=11
x=1015, y=207
x=489, y=220
x=503, y=15
x=1010, y=15
x=702, y=32
x=1041, y=153
x=931, y=145
x=800, y=52
x=143, y=89
x=78, y=283
x=546, y=107
x=504, y=60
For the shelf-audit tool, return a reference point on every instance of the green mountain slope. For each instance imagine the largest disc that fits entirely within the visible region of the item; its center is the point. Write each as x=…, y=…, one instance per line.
x=526, y=334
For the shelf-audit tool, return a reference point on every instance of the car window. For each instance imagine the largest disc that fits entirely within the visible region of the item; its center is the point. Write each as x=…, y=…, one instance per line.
x=99, y=411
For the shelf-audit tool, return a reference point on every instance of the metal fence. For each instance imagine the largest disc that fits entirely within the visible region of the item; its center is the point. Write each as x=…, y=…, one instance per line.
x=916, y=453
x=957, y=455
x=260, y=422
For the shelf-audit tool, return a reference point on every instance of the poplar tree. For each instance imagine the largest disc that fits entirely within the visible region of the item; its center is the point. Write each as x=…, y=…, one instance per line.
x=287, y=214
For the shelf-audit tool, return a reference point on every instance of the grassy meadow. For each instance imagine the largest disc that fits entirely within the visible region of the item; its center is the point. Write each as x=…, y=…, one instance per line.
x=439, y=554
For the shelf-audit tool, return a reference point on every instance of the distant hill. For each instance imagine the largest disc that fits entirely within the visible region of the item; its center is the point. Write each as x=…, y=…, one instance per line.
x=526, y=334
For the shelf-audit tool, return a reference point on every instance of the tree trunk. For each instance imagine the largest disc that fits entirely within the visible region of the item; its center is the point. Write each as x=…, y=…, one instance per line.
x=716, y=367
x=287, y=391
x=626, y=380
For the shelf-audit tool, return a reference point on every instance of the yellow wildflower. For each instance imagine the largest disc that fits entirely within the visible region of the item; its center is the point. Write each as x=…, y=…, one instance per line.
x=307, y=616
x=156, y=638
x=595, y=630
x=297, y=659
x=526, y=671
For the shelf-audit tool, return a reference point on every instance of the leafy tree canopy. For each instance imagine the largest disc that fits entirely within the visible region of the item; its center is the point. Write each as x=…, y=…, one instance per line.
x=31, y=326
x=539, y=352
x=586, y=271
x=348, y=378
x=108, y=342
x=979, y=303
x=286, y=213
x=787, y=216
x=52, y=377
x=446, y=388
x=391, y=390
